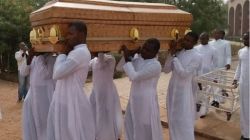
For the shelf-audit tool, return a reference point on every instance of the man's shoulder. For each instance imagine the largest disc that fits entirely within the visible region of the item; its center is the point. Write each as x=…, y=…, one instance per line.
x=243, y=49
x=80, y=53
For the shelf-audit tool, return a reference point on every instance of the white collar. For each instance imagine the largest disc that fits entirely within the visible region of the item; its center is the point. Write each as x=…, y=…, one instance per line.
x=80, y=45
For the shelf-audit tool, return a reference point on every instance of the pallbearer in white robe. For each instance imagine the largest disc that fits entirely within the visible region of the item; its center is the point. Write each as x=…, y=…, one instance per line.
x=37, y=101
x=223, y=52
x=184, y=66
x=104, y=99
x=242, y=75
x=142, y=118
x=70, y=115
x=208, y=60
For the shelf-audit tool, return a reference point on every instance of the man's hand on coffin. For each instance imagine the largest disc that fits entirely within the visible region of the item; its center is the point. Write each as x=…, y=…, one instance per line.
x=94, y=54
x=173, y=47
x=32, y=53
x=200, y=86
x=128, y=54
x=227, y=66
x=235, y=83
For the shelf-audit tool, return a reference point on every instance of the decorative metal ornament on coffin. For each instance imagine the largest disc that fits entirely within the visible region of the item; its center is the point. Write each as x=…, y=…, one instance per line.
x=110, y=24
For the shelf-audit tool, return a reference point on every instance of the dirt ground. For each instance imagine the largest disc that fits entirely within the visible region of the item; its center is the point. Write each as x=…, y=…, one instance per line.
x=11, y=124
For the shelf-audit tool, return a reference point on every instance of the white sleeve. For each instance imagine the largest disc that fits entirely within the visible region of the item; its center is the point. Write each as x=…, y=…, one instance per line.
x=184, y=72
x=120, y=64
x=146, y=73
x=168, y=67
x=111, y=62
x=18, y=56
x=66, y=65
x=63, y=67
x=91, y=64
x=214, y=59
x=237, y=73
x=228, y=53
x=238, y=69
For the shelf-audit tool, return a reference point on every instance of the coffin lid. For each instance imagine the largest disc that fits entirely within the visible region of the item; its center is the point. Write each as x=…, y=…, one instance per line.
x=109, y=10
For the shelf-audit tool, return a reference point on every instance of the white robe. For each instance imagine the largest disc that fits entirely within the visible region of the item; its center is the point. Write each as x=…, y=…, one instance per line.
x=208, y=63
x=142, y=118
x=242, y=75
x=104, y=99
x=223, y=52
x=180, y=98
x=70, y=114
x=37, y=101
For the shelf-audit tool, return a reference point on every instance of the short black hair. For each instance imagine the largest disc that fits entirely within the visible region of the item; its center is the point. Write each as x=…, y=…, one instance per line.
x=80, y=26
x=223, y=32
x=193, y=35
x=155, y=43
x=204, y=34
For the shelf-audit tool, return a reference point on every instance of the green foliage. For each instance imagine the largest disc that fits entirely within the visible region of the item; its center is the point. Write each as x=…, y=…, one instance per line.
x=207, y=14
x=14, y=27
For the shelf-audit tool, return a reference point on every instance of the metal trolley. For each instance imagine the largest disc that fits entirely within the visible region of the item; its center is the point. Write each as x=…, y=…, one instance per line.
x=214, y=84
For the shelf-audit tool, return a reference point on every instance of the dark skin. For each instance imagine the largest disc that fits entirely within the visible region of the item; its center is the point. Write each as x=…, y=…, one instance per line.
x=204, y=38
x=74, y=38
x=32, y=53
x=175, y=46
x=23, y=47
x=147, y=51
x=128, y=53
x=216, y=34
x=188, y=42
x=246, y=43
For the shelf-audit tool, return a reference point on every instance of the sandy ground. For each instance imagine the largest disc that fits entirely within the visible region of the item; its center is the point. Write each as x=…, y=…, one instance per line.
x=11, y=124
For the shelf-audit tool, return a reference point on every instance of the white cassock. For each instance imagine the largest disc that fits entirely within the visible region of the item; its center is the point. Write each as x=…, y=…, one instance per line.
x=37, y=102
x=104, y=99
x=208, y=63
x=242, y=75
x=223, y=52
x=142, y=117
x=70, y=114
x=180, y=98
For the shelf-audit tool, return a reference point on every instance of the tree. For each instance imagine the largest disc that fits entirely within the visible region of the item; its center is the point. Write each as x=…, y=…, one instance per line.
x=14, y=27
x=207, y=14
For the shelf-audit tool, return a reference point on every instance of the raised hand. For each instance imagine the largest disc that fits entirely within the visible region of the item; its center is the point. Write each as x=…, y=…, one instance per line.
x=235, y=83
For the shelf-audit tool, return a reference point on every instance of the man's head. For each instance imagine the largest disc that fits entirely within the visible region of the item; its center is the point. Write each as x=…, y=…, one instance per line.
x=22, y=46
x=77, y=33
x=189, y=40
x=150, y=48
x=204, y=37
x=222, y=34
x=246, y=39
x=216, y=34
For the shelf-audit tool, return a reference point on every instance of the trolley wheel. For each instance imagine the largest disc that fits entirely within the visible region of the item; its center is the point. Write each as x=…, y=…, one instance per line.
x=229, y=114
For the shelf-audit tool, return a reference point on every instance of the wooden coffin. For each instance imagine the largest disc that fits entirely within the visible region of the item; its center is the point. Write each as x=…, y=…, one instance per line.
x=110, y=23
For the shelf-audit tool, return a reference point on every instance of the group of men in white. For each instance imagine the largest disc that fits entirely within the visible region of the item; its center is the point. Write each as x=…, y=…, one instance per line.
x=57, y=108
